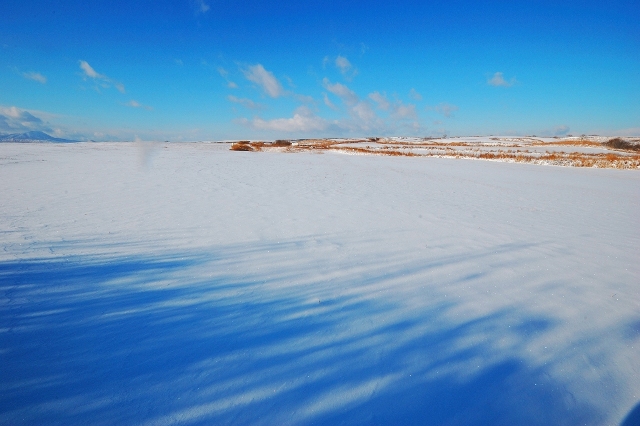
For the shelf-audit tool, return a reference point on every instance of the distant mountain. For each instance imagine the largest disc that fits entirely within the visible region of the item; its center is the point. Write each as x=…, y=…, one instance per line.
x=31, y=137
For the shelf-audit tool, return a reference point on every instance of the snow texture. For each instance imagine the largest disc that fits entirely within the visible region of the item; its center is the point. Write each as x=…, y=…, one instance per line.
x=169, y=284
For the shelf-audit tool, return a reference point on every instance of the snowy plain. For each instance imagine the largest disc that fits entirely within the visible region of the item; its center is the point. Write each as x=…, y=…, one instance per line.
x=188, y=284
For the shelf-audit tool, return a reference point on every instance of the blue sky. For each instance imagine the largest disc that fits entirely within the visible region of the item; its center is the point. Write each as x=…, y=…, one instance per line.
x=223, y=69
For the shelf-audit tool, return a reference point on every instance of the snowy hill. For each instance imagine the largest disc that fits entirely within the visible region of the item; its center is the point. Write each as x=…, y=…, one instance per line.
x=31, y=137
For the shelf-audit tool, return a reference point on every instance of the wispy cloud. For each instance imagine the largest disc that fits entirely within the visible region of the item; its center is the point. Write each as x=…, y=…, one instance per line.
x=200, y=6
x=446, y=109
x=347, y=95
x=413, y=94
x=35, y=76
x=404, y=112
x=265, y=79
x=225, y=74
x=498, y=80
x=104, y=81
x=247, y=103
x=345, y=67
x=380, y=100
x=135, y=104
x=343, y=64
x=328, y=102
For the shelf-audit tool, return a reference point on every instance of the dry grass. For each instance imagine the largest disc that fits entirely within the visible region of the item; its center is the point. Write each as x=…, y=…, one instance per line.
x=242, y=146
x=500, y=152
x=571, y=142
x=358, y=150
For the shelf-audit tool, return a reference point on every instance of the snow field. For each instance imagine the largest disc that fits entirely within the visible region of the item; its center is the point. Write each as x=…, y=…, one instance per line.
x=188, y=284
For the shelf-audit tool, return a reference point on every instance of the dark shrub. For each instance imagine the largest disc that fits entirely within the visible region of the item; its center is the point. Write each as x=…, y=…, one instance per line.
x=619, y=143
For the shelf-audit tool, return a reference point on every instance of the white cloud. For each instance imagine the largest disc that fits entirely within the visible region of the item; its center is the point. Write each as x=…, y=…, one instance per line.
x=35, y=76
x=363, y=112
x=89, y=71
x=413, y=94
x=446, y=109
x=343, y=64
x=247, y=103
x=303, y=120
x=17, y=120
x=232, y=85
x=498, y=80
x=104, y=80
x=347, y=95
x=380, y=100
x=201, y=6
x=265, y=79
x=561, y=130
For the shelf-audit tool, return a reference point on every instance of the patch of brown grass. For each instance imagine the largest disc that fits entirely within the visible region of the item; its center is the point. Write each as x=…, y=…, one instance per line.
x=247, y=146
x=242, y=146
x=571, y=142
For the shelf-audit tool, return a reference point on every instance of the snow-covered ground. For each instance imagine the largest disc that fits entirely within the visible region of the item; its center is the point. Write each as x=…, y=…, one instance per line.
x=189, y=284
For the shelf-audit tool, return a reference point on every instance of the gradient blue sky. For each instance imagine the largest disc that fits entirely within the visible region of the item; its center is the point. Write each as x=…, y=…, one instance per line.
x=226, y=69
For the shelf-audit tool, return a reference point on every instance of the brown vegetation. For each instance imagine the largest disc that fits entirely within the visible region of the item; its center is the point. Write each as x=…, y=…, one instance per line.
x=491, y=152
x=618, y=143
x=242, y=146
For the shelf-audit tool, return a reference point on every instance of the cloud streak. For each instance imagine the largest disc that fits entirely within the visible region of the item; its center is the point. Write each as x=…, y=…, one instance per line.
x=102, y=79
x=135, y=104
x=247, y=103
x=264, y=79
x=35, y=76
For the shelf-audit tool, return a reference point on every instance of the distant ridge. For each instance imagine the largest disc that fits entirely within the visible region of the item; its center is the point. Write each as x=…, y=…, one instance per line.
x=31, y=137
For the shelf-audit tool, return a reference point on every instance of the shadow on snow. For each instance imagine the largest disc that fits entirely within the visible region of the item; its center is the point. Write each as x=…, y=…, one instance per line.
x=187, y=338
